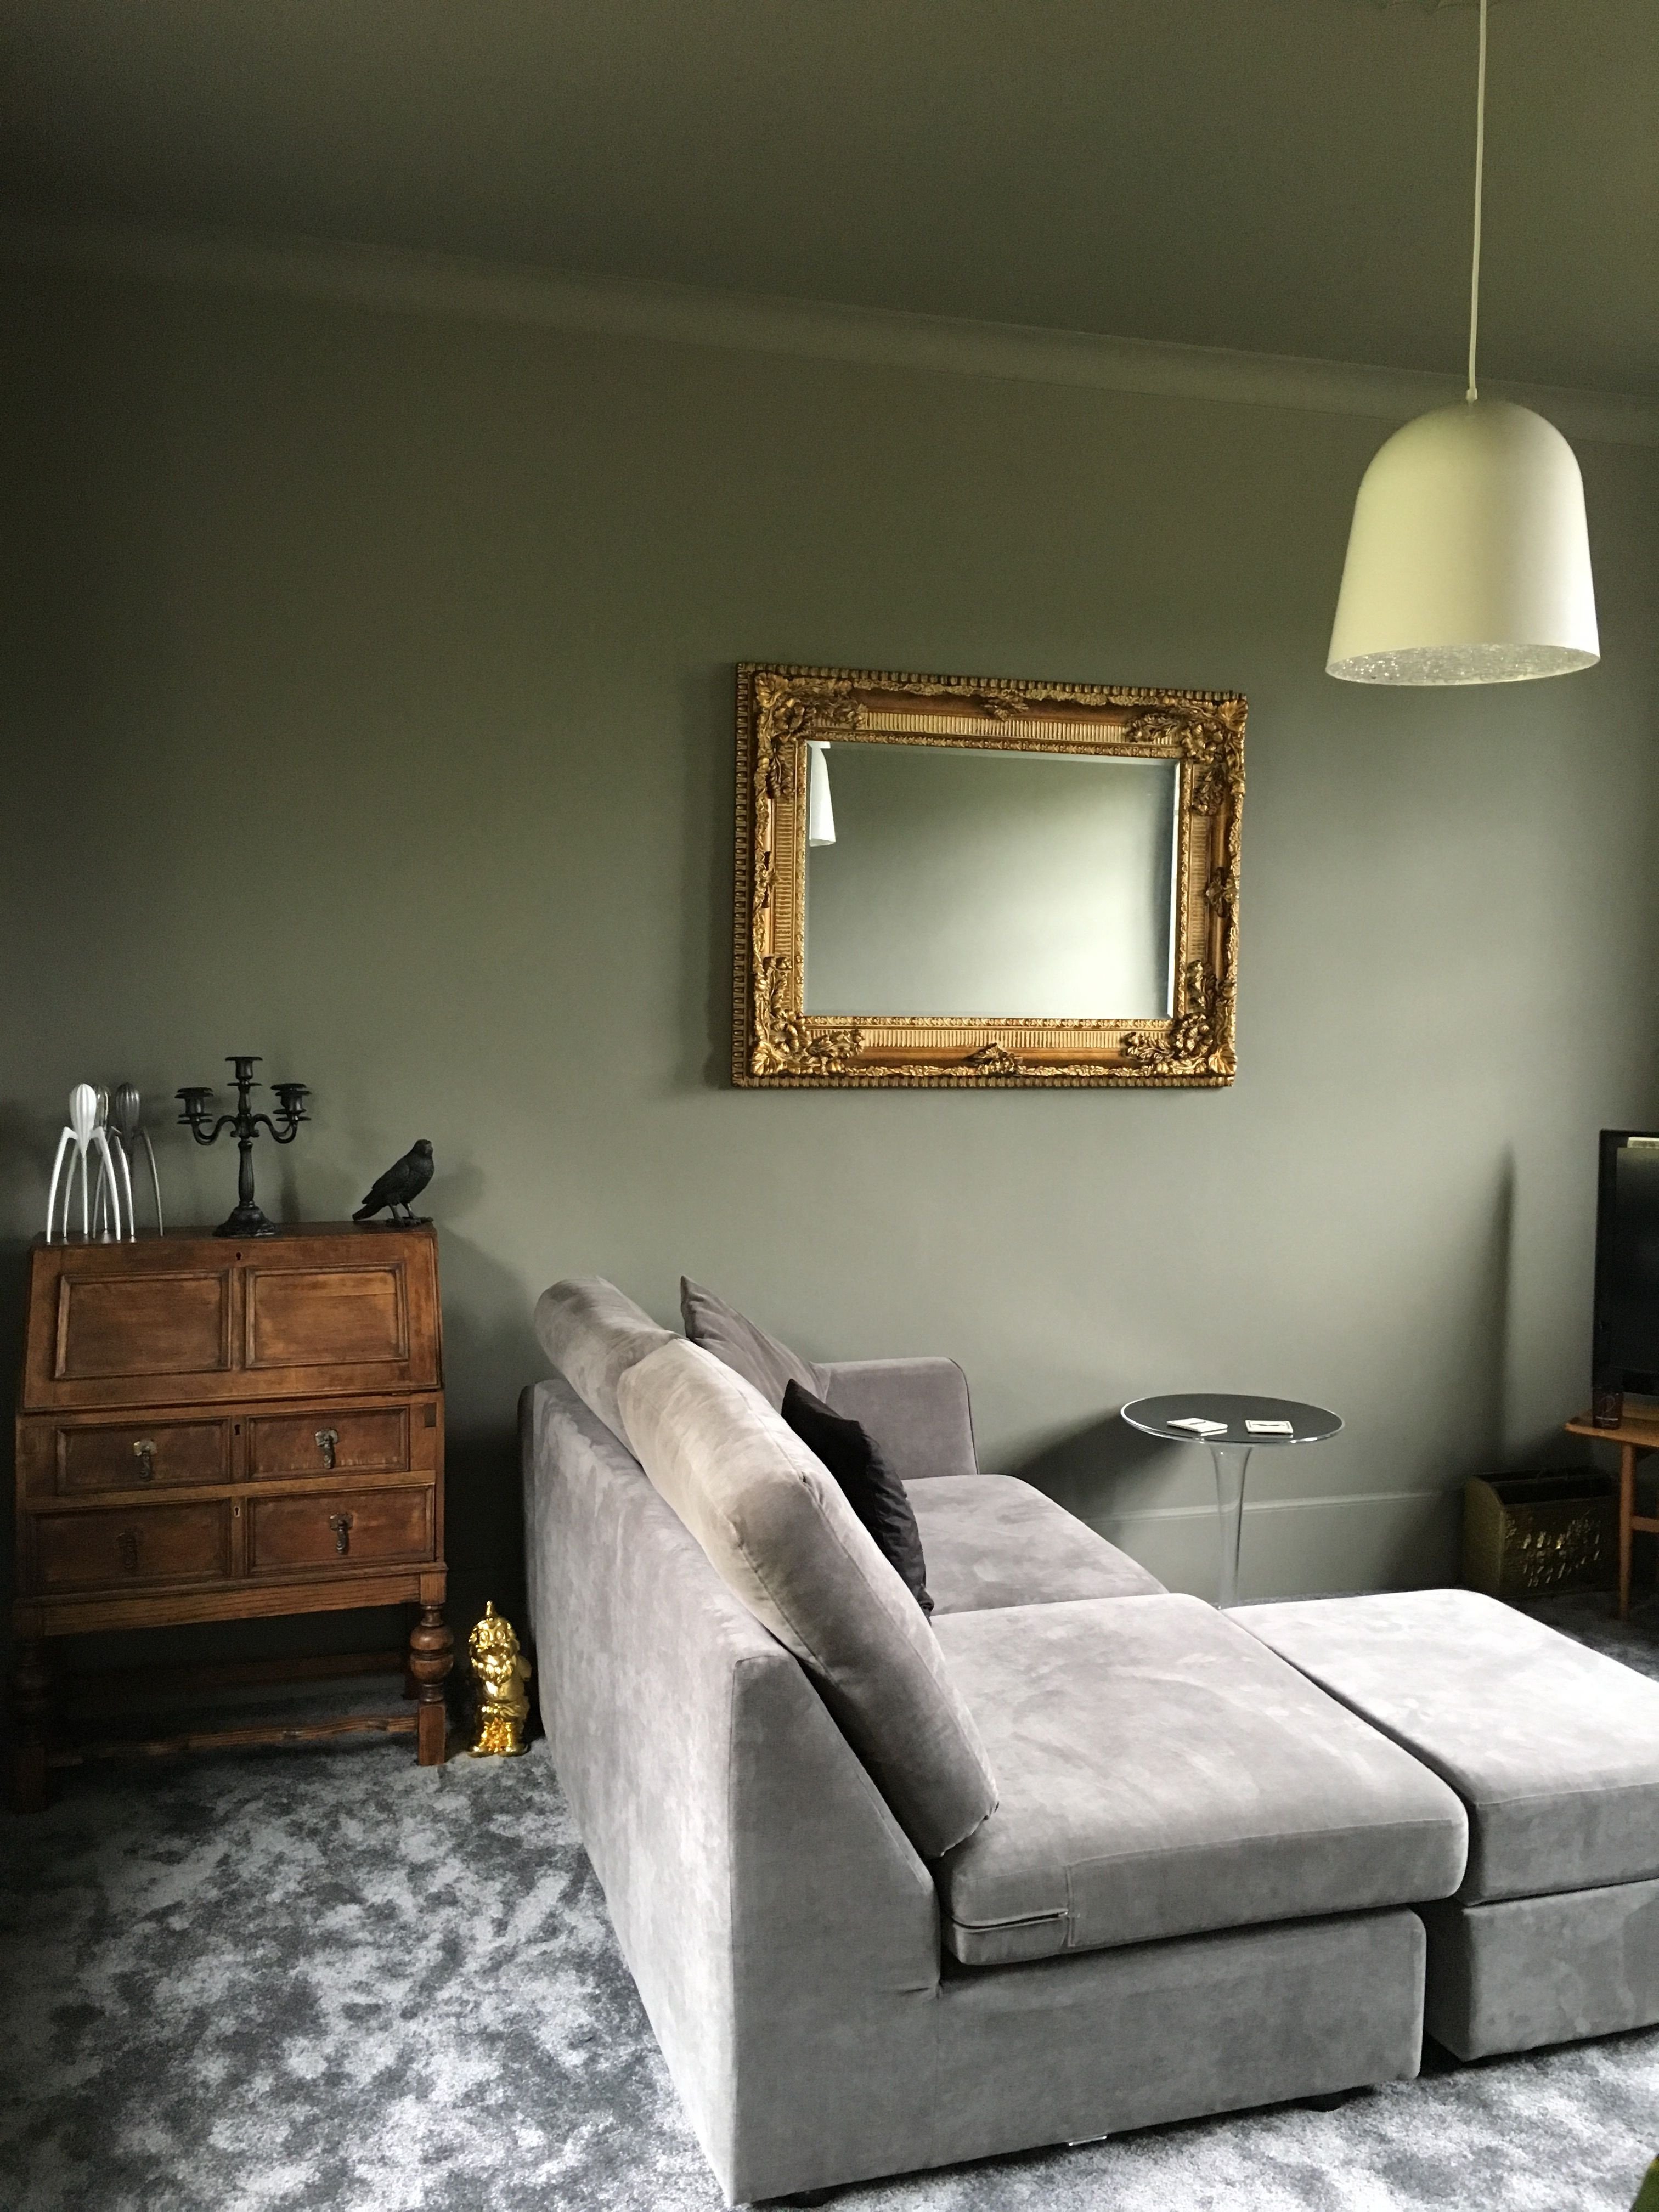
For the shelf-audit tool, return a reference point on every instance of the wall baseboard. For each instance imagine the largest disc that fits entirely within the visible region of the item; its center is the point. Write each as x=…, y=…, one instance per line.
x=1302, y=1546
x=1253, y=1506
x=398, y=281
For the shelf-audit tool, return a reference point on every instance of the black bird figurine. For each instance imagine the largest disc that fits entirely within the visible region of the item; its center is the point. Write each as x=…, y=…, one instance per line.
x=405, y=1179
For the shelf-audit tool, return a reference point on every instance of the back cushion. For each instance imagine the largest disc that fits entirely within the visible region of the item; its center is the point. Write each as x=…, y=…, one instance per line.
x=770, y=1365
x=594, y=1335
x=780, y=1534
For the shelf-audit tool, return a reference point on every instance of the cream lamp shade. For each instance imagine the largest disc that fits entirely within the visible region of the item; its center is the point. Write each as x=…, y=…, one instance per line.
x=1469, y=561
x=820, y=808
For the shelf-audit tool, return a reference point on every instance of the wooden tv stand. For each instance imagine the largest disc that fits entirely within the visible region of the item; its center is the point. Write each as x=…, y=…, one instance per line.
x=217, y=1429
x=1636, y=1438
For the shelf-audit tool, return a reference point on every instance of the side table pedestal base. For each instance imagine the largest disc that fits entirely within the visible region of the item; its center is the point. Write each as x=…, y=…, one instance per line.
x=1230, y=1462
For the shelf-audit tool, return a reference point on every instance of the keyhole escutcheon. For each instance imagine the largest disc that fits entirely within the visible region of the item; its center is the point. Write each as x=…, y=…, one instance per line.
x=341, y=1524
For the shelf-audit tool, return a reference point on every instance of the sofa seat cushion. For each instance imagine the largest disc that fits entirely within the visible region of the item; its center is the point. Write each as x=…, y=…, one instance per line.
x=990, y=1540
x=1554, y=1749
x=1161, y=1773
x=775, y=1525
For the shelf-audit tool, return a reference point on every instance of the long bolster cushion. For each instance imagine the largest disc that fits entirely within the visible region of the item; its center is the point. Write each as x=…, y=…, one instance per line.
x=1162, y=1773
x=777, y=1530
x=991, y=1540
x=594, y=1335
x=1553, y=1748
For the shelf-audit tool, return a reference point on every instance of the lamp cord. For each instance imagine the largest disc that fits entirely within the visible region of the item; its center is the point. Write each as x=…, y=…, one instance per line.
x=1473, y=393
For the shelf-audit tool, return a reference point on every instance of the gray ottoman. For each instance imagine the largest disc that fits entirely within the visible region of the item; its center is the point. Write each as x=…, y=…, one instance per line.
x=1554, y=1751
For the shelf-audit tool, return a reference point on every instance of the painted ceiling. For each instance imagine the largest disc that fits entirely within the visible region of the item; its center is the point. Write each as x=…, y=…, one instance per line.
x=1290, y=176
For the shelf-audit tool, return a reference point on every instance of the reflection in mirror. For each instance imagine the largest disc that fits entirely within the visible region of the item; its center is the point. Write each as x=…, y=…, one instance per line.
x=967, y=882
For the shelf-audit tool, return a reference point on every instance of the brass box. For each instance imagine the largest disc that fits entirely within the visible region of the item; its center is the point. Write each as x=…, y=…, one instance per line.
x=1525, y=1535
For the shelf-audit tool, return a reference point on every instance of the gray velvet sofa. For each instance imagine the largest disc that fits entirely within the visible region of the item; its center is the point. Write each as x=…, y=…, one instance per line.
x=1208, y=1882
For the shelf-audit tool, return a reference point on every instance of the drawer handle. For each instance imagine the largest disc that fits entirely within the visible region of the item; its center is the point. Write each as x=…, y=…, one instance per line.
x=341, y=1524
x=127, y=1544
x=326, y=1440
x=143, y=1451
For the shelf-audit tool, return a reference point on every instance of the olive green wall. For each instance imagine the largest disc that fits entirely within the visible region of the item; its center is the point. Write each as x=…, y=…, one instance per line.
x=368, y=703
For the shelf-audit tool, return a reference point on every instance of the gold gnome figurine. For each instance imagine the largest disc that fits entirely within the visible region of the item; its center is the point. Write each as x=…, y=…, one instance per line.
x=503, y=1708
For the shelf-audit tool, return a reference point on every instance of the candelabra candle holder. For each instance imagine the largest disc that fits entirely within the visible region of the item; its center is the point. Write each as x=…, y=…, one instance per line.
x=245, y=1125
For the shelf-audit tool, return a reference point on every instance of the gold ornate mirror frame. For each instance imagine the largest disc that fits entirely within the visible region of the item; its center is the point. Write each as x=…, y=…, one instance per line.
x=776, y=1042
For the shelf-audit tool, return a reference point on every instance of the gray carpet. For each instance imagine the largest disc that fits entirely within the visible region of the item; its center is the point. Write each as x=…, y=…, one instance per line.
x=330, y=1980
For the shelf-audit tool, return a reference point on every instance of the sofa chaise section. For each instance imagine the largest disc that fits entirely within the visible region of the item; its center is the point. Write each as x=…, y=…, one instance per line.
x=785, y=1935
x=1161, y=1774
x=1224, y=1852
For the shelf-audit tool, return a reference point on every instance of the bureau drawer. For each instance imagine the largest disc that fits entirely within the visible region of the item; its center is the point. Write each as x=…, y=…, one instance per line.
x=372, y=1442
x=138, y=1454
x=128, y=1548
x=343, y=1528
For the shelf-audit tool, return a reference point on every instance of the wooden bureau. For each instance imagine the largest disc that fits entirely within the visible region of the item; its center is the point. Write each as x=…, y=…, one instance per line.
x=211, y=1429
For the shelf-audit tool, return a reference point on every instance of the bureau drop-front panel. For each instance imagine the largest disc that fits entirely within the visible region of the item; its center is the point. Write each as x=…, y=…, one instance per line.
x=189, y=1320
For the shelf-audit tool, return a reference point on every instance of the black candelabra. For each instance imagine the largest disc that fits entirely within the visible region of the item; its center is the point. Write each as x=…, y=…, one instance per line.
x=248, y=1219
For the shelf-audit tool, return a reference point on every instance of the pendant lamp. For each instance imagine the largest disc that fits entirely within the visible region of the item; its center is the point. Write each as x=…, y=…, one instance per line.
x=1469, y=561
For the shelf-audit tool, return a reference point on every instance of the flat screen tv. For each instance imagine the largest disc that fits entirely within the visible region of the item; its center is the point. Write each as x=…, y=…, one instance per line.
x=1626, y=1350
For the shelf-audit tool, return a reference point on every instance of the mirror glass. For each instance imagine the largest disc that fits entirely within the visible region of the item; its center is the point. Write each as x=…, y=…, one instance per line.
x=969, y=882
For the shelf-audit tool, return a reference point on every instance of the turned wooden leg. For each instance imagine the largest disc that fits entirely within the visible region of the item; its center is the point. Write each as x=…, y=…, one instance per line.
x=1627, y=1508
x=30, y=1713
x=431, y=1654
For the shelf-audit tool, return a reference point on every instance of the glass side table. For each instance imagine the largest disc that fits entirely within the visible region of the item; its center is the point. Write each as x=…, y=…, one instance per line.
x=1236, y=1425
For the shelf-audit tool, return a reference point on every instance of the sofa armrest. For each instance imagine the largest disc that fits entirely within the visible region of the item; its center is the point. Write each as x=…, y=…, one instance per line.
x=782, y=1932
x=916, y=1410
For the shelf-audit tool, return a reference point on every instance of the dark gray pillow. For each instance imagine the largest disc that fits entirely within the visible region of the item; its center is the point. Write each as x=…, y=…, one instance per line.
x=771, y=1367
x=869, y=1484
